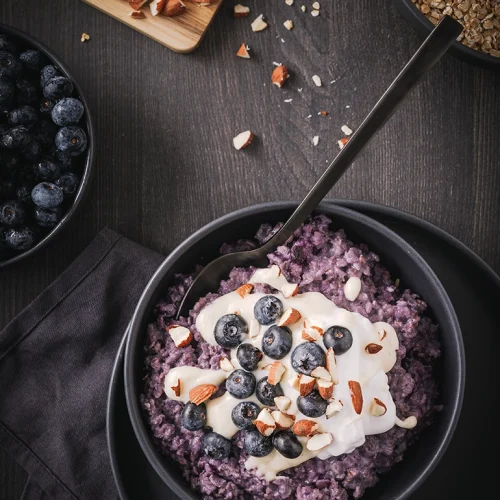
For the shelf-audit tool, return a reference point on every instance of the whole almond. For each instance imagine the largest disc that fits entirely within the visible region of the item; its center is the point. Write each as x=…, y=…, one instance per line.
x=201, y=393
x=356, y=396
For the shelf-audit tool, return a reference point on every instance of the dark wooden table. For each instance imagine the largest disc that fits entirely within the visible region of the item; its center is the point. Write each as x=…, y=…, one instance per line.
x=165, y=162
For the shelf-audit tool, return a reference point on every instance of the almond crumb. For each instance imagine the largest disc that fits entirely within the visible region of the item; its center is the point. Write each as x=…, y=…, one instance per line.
x=315, y=13
x=85, y=37
x=346, y=130
x=342, y=142
x=289, y=2
x=288, y=24
x=323, y=113
x=259, y=24
x=243, y=51
x=315, y=140
x=317, y=80
x=303, y=8
x=316, y=6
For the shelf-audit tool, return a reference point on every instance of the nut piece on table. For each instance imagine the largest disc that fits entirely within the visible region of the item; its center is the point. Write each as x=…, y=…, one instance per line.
x=157, y=6
x=137, y=4
x=135, y=14
x=288, y=24
x=173, y=8
x=280, y=75
x=243, y=140
x=259, y=24
x=243, y=51
x=241, y=10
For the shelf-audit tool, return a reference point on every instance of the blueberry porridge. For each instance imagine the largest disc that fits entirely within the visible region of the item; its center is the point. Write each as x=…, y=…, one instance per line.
x=304, y=380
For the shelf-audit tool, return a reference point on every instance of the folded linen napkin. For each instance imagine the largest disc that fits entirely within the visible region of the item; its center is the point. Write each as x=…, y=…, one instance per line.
x=56, y=359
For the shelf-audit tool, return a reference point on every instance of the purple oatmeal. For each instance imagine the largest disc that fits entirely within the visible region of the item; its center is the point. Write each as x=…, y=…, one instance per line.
x=318, y=260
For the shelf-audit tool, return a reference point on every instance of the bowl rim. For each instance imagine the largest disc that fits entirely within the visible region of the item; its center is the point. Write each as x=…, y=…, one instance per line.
x=458, y=49
x=141, y=430
x=88, y=170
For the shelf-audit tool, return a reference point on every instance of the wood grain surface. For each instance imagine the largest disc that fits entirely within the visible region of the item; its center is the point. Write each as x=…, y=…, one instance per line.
x=181, y=33
x=165, y=122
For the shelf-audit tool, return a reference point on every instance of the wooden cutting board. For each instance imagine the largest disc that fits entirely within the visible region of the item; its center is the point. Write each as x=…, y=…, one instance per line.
x=181, y=33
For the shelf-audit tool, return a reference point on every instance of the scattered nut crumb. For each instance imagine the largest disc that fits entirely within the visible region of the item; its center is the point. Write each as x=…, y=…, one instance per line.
x=259, y=24
x=85, y=37
x=243, y=140
x=315, y=13
x=280, y=75
x=289, y=2
x=303, y=8
x=308, y=116
x=316, y=6
x=342, y=142
x=299, y=90
x=288, y=100
x=241, y=10
x=243, y=51
x=315, y=140
x=346, y=130
x=317, y=80
x=288, y=24
x=323, y=113
x=137, y=14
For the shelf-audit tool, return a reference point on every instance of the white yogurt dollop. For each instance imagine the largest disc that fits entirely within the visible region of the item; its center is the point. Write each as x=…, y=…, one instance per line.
x=347, y=428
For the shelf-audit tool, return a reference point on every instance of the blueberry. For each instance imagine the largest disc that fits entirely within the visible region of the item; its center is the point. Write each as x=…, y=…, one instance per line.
x=230, y=330
x=248, y=356
x=266, y=392
x=277, y=342
x=6, y=93
x=338, y=338
x=244, y=414
x=27, y=93
x=240, y=384
x=268, y=309
x=23, y=193
x=44, y=132
x=16, y=138
x=12, y=213
x=257, y=445
x=33, y=151
x=69, y=183
x=6, y=45
x=287, y=444
x=216, y=446
x=25, y=115
x=47, y=217
x=47, y=195
x=71, y=140
x=57, y=88
x=67, y=111
x=47, y=73
x=20, y=238
x=307, y=356
x=46, y=105
x=47, y=170
x=9, y=65
x=312, y=405
x=194, y=417
x=32, y=59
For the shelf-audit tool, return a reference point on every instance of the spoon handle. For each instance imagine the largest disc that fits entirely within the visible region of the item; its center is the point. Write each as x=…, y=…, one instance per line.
x=429, y=53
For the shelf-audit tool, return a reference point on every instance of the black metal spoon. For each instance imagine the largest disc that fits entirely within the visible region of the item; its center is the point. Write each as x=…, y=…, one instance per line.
x=433, y=48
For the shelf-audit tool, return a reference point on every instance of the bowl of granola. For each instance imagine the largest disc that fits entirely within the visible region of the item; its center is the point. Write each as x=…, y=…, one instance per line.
x=479, y=44
x=310, y=378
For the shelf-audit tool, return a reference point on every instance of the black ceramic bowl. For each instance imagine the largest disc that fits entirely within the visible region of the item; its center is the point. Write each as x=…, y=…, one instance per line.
x=423, y=27
x=395, y=254
x=83, y=163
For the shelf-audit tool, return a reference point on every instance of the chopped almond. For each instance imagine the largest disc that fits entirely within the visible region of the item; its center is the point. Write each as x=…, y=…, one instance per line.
x=283, y=421
x=137, y=15
x=241, y=11
x=276, y=372
x=280, y=75
x=289, y=290
x=325, y=389
x=282, y=403
x=322, y=373
x=305, y=427
x=177, y=388
x=243, y=51
x=306, y=385
x=289, y=317
x=259, y=24
x=137, y=4
x=173, y=8
x=226, y=365
x=244, y=290
x=319, y=441
x=181, y=335
x=243, y=140
x=157, y=6
x=265, y=422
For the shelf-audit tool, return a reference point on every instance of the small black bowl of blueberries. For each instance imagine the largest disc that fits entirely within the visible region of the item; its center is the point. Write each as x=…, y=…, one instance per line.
x=46, y=145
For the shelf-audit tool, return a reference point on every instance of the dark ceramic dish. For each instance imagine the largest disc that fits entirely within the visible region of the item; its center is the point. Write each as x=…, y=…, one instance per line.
x=423, y=27
x=396, y=255
x=85, y=161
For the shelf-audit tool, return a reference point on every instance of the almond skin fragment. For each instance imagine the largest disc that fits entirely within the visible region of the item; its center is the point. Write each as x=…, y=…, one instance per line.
x=305, y=427
x=280, y=75
x=177, y=388
x=306, y=385
x=373, y=348
x=244, y=290
x=289, y=317
x=201, y=393
x=356, y=395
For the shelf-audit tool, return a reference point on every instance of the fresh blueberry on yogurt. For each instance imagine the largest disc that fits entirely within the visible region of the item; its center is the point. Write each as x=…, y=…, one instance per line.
x=268, y=309
x=287, y=444
x=248, y=356
x=266, y=392
x=216, y=446
x=307, y=356
x=194, y=417
x=256, y=444
x=338, y=338
x=244, y=414
x=230, y=330
x=277, y=342
x=241, y=384
x=312, y=405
